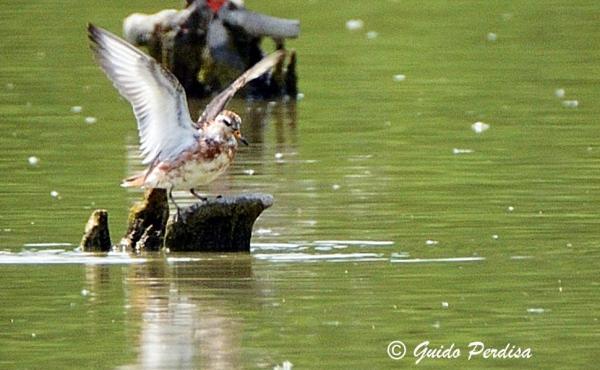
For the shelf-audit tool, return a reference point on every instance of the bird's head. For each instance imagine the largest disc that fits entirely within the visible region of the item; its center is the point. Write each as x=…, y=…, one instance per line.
x=230, y=123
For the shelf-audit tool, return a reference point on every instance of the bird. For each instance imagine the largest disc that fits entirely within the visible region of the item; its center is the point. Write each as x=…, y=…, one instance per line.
x=180, y=154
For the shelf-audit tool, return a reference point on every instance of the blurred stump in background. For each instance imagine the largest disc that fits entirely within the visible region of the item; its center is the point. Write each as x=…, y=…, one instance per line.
x=211, y=42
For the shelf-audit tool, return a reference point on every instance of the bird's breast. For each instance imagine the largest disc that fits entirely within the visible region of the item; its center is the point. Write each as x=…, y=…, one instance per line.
x=192, y=169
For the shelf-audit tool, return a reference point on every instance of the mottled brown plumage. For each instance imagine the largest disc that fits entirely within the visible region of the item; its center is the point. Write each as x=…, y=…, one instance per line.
x=181, y=154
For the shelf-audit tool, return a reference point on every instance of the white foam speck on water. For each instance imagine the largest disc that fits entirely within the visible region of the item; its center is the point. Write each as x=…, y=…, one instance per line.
x=10, y=86
x=335, y=187
x=461, y=151
x=91, y=120
x=85, y=292
x=263, y=231
x=47, y=245
x=399, y=77
x=54, y=194
x=339, y=246
x=559, y=93
x=183, y=259
x=76, y=109
x=60, y=256
x=570, y=103
x=510, y=208
x=431, y=242
x=33, y=160
x=323, y=251
x=372, y=35
x=491, y=36
x=400, y=255
x=274, y=246
x=330, y=257
x=355, y=24
x=536, y=310
x=361, y=157
x=445, y=305
x=286, y=365
x=432, y=260
x=495, y=237
x=249, y=172
x=278, y=155
x=369, y=243
x=479, y=127
x=520, y=257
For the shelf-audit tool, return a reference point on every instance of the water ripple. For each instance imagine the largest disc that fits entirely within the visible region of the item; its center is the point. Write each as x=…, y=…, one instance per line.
x=60, y=256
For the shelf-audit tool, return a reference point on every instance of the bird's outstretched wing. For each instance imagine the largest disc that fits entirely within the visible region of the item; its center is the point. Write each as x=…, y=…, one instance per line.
x=220, y=101
x=158, y=100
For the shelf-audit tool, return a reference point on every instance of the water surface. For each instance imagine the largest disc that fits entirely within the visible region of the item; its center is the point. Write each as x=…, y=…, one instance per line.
x=393, y=219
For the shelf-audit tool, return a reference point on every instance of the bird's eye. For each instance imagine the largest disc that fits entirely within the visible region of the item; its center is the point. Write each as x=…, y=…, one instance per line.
x=227, y=122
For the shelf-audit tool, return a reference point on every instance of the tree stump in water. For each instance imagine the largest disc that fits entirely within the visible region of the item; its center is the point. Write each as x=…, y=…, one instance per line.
x=147, y=221
x=216, y=225
x=210, y=43
x=222, y=224
x=96, y=237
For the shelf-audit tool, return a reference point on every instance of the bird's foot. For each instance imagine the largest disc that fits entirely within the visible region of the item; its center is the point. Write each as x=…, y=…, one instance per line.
x=179, y=216
x=198, y=196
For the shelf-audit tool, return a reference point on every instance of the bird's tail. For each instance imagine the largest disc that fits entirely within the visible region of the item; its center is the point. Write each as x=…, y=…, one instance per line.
x=136, y=181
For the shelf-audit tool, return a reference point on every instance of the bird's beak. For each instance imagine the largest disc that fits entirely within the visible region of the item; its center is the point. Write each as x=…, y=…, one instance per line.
x=239, y=136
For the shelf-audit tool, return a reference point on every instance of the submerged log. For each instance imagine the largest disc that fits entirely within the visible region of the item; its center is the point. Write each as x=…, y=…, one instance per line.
x=96, y=237
x=147, y=221
x=216, y=225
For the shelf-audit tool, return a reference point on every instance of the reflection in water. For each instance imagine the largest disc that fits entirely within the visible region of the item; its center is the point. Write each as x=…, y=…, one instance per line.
x=283, y=117
x=256, y=115
x=183, y=325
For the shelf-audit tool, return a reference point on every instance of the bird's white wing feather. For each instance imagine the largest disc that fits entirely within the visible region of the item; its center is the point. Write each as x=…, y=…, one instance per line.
x=158, y=100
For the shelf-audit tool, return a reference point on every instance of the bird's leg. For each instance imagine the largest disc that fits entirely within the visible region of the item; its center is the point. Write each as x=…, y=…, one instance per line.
x=175, y=203
x=193, y=191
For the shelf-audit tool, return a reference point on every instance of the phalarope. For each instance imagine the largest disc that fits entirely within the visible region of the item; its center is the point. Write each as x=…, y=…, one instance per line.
x=180, y=154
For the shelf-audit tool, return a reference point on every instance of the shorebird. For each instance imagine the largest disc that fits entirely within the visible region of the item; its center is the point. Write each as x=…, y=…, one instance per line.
x=180, y=154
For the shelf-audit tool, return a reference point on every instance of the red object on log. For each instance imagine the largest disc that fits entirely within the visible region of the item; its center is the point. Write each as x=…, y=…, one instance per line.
x=215, y=5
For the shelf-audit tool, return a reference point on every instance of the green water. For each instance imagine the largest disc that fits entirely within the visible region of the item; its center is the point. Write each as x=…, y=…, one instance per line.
x=393, y=219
